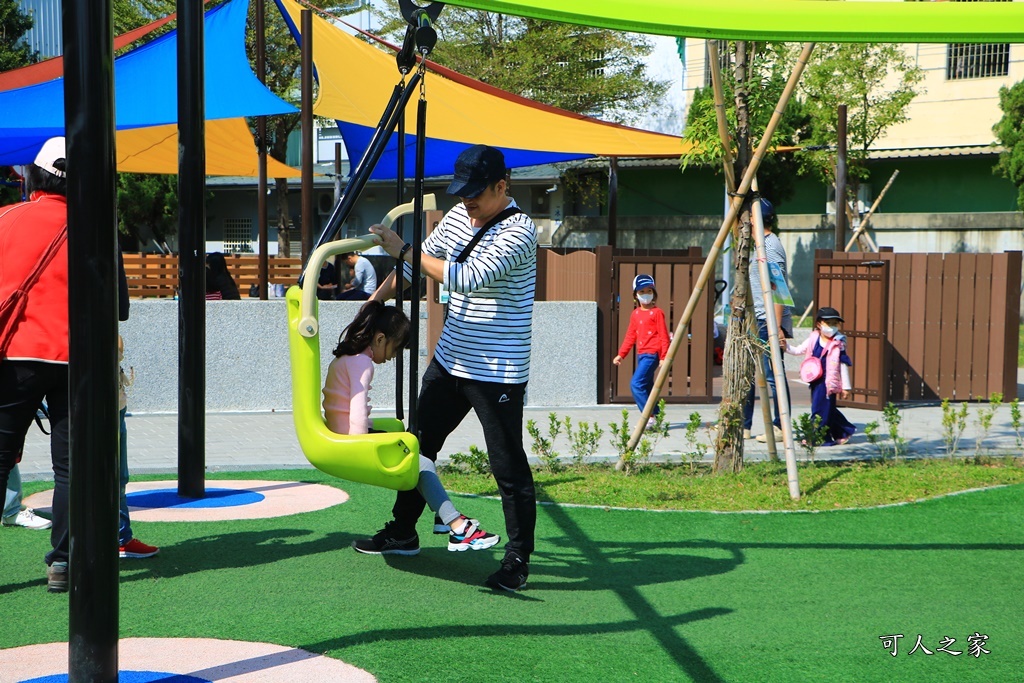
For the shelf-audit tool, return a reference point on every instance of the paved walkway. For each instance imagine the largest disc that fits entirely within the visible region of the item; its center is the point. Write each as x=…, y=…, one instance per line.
x=257, y=441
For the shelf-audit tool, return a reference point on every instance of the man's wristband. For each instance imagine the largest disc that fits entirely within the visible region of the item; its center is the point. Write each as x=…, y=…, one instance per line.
x=405, y=247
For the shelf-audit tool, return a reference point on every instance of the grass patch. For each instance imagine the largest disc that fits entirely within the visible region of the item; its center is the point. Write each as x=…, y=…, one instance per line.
x=760, y=486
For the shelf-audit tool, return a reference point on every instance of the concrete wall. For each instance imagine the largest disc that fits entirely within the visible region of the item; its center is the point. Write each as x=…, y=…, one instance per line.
x=247, y=362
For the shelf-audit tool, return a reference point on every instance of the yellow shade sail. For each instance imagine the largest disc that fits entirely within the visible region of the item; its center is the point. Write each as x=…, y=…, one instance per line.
x=356, y=81
x=230, y=151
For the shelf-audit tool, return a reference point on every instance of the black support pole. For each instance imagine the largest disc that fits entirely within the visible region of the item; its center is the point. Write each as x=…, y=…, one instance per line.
x=92, y=322
x=417, y=242
x=307, y=134
x=261, y=144
x=192, y=253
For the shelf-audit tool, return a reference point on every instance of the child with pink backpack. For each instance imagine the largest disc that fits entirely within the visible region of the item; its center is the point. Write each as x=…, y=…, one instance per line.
x=826, y=369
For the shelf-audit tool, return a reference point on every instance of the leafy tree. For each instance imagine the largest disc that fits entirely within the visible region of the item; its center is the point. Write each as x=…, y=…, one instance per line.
x=584, y=70
x=876, y=82
x=14, y=53
x=283, y=71
x=1008, y=134
x=14, y=24
x=147, y=206
x=764, y=79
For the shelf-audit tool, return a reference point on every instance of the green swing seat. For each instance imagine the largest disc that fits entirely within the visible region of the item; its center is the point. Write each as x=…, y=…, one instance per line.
x=389, y=459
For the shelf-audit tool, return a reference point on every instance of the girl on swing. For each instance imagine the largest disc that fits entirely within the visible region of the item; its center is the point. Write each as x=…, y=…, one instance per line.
x=378, y=334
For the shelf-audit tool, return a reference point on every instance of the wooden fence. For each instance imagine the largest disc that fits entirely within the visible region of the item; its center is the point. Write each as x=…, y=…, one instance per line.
x=952, y=325
x=156, y=275
x=605, y=275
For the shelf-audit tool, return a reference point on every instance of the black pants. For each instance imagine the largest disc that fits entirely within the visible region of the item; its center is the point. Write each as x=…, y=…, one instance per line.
x=444, y=402
x=23, y=387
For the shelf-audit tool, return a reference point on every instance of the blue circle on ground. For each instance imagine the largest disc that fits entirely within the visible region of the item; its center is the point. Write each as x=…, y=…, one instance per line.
x=215, y=498
x=130, y=677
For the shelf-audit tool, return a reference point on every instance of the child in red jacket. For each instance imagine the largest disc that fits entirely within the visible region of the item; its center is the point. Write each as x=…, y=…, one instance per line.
x=647, y=328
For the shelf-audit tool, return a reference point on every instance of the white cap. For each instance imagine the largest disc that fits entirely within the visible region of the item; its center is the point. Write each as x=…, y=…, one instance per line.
x=53, y=149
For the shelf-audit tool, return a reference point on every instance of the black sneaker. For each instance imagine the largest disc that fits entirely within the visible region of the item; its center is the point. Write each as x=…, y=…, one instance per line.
x=440, y=527
x=57, y=577
x=384, y=542
x=512, y=575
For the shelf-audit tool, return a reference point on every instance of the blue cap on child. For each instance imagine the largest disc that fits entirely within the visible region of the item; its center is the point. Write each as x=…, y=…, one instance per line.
x=641, y=281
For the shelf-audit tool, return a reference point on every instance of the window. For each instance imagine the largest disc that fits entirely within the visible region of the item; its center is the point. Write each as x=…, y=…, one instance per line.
x=724, y=60
x=983, y=60
x=238, y=235
x=967, y=60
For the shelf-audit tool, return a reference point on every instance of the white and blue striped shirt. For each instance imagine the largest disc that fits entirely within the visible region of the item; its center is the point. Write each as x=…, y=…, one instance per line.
x=774, y=253
x=489, y=327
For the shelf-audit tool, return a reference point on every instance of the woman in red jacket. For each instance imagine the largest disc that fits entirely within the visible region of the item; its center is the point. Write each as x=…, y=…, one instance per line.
x=34, y=365
x=647, y=328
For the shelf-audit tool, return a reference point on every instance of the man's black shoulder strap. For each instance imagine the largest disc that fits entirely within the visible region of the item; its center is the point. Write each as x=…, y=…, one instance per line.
x=506, y=213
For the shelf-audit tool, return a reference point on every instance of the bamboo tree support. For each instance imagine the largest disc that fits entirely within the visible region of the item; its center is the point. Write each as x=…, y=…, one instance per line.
x=709, y=263
x=781, y=389
x=861, y=229
x=730, y=184
x=864, y=241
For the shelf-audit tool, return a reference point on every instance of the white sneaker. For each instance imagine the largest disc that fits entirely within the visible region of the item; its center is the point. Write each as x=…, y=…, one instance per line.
x=763, y=438
x=28, y=519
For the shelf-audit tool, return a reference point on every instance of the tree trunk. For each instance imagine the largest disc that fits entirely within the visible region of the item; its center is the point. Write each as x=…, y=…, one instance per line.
x=738, y=361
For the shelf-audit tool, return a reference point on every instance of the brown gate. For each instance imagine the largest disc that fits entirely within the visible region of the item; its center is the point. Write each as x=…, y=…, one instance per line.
x=675, y=275
x=859, y=290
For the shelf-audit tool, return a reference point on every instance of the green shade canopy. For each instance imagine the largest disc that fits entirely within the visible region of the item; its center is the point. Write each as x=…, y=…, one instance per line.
x=784, y=20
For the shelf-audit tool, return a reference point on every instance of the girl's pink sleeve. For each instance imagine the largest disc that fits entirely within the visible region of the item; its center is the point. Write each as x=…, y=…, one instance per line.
x=360, y=376
x=627, y=343
x=801, y=349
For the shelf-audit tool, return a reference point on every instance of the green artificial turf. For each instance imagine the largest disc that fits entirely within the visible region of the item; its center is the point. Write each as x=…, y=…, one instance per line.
x=614, y=595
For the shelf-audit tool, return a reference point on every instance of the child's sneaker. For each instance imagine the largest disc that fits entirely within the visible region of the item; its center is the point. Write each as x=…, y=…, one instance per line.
x=440, y=527
x=137, y=549
x=512, y=575
x=472, y=537
x=652, y=422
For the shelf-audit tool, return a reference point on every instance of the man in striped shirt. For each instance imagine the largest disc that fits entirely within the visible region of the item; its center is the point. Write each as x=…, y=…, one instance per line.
x=482, y=360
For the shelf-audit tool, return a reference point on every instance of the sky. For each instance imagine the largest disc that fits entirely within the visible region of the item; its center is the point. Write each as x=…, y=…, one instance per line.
x=664, y=65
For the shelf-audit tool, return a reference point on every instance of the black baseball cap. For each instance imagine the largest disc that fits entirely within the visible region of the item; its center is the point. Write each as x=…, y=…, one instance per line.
x=476, y=168
x=829, y=313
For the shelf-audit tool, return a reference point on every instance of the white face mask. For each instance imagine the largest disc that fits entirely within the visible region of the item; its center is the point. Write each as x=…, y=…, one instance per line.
x=829, y=331
x=645, y=298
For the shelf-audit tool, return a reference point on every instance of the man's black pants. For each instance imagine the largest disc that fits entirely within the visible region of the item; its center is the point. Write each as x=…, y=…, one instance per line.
x=23, y=387
x=444, y=402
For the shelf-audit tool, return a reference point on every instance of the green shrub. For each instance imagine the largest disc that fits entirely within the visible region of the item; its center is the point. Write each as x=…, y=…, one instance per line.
x=475, y=461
